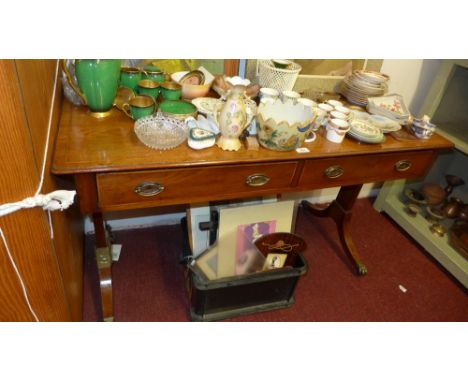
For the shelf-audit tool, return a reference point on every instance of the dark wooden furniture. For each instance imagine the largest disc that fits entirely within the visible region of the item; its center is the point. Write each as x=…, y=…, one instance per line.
x=110, y=165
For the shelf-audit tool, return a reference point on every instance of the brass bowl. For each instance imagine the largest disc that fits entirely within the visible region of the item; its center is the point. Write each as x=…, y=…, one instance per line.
x=433, y=193
x=437, y=229
x=415, y=196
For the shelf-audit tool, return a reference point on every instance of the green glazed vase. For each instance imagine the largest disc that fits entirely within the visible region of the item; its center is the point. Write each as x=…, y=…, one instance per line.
x=98, y=81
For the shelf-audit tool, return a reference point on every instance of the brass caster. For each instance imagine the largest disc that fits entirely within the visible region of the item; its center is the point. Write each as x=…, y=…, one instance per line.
x=362, y=269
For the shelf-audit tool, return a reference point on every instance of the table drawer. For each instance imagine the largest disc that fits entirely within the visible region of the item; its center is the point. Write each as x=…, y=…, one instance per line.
x=122, y=190
x=342, y=171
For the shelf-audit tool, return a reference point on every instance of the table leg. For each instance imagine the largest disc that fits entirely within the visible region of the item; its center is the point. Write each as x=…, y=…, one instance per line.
x=340, y=211
x=104, y=263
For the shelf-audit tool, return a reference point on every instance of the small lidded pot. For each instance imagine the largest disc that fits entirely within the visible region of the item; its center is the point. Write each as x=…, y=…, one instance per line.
x=422, y=128
x=171, y=90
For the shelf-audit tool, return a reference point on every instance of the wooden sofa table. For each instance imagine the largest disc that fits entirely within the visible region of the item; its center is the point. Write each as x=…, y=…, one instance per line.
x=113, y=170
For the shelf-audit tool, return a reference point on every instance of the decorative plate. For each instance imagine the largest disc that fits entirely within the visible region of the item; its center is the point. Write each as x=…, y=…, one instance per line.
x=364, y=128
x=386, y=125
x=391, y=103
x=362, y=138
x=206, y=105
x=195, y=77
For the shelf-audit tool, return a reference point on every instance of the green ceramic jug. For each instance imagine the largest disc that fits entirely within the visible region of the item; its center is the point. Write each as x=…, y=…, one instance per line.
x=98, y=81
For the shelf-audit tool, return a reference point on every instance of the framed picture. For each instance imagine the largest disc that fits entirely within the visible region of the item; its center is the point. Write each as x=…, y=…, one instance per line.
x=275, y=260
x=239, y=228
x=200, y=240
x=207, y=262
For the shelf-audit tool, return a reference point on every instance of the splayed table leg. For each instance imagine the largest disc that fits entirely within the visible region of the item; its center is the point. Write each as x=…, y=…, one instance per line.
x=104, y=265
x=340, y=211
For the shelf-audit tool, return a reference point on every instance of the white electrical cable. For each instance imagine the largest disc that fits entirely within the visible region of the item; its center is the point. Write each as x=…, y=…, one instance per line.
x=23, y=287
x=49, y=124
x=56, y=200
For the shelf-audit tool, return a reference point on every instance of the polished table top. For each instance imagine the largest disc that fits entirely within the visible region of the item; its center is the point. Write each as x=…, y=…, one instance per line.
x=85, y=145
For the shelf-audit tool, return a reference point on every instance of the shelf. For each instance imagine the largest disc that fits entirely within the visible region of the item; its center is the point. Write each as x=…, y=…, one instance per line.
x=391, y=201
x=418, y=228
x=455, y=133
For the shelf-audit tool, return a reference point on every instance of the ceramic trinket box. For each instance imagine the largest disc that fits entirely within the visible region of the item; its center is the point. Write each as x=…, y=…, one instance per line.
x=202, y=132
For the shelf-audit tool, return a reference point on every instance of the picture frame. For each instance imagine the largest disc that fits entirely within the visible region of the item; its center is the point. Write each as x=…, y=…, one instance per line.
x=199, y=240
x=275, y=261
x=207, y=262
x=240, y=227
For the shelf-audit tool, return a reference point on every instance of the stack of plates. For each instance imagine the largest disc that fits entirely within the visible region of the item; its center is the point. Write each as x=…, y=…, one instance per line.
x=362, y=84
x=391, y=106
x=364, y=131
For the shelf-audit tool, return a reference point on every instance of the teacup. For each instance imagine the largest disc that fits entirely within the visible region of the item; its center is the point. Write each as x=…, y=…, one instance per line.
x=307, y=102
x=139, y=106
x=129, y=78
x=290, y=95
x=268, y=94
x=334, y=103
x=320, y=119
x=151, y=72
x=338, y=115
x=325, y=107
x=336, y=130
x=171, y=90
x=343, y=109
x=148, y=87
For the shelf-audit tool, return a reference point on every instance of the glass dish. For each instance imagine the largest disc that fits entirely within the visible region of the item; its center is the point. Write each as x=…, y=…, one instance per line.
x=160, y=132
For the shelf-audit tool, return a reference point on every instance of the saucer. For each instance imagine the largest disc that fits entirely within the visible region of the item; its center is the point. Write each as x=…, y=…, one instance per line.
x=206, y=105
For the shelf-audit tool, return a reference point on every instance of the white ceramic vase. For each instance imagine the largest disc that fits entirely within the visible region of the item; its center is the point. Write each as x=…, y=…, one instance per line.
x=232, y=119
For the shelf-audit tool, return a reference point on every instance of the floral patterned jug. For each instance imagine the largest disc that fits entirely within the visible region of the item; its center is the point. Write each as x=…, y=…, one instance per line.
x=232, y=118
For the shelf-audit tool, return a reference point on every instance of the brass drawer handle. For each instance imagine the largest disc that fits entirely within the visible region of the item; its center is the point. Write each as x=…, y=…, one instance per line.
x=257, y=180
x=334, y=172
x=403, y=165
x=149, y=188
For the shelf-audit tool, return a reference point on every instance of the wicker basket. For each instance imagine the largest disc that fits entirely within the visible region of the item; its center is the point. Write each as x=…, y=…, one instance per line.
x=276, y=78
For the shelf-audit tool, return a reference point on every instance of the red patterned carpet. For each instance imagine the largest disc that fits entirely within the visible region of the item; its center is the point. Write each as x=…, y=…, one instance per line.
x=149, y=283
